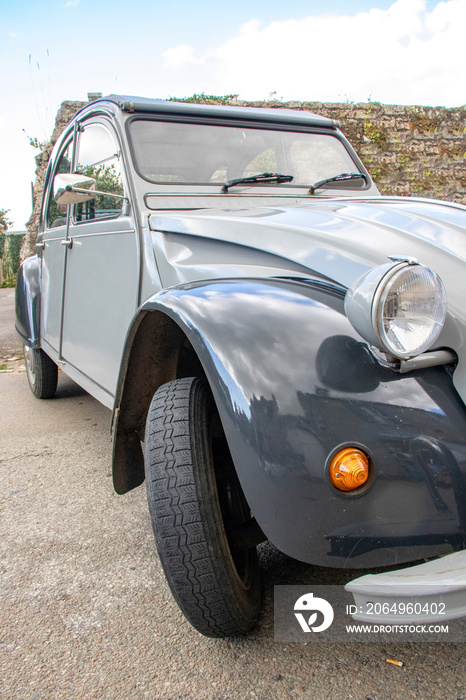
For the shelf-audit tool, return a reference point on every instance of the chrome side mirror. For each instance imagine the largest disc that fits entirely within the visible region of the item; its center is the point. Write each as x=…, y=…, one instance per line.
x=72, y=188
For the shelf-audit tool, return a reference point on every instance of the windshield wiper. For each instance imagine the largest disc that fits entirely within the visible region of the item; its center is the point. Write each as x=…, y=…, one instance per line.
x=275, y=178
x=342, y=177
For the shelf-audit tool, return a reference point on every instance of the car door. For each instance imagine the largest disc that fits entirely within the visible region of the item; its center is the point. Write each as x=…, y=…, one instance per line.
x=52, y=251
x=102, y=266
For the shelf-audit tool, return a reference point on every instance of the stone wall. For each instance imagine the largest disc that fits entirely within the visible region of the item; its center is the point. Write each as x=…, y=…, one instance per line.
x=419, y=151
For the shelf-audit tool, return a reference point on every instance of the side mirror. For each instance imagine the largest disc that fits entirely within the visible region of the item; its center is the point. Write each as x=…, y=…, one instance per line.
x=72, y=188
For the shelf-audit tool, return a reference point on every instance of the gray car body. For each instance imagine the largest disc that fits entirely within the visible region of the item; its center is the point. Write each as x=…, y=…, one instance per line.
x=246, y=288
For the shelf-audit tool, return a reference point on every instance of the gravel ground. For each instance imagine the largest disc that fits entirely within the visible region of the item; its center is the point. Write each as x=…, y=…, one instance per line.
x=84, y=608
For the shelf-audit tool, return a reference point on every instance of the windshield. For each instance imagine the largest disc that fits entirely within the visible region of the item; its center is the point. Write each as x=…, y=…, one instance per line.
x=187, y=153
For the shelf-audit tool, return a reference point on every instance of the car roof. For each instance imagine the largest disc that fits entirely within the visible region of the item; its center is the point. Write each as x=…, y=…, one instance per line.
x=171, y=107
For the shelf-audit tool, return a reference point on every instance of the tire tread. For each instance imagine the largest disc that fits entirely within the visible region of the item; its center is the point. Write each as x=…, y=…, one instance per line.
x=174, y=502
x=45, y=381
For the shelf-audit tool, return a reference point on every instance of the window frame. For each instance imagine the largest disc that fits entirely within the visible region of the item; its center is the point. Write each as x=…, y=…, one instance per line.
x=96, y=121
x=67, y=142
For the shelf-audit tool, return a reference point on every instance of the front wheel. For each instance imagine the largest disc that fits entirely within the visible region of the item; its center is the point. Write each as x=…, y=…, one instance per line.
x=198, y=511
x=42, y=372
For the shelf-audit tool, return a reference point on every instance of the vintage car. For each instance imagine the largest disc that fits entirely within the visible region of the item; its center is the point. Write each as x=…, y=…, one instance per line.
x=282, y=348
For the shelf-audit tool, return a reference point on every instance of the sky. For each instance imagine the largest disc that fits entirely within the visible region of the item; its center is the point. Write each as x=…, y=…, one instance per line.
x=393, y=51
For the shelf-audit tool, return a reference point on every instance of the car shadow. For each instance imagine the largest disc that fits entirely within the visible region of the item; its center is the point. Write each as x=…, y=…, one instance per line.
x=67, y=388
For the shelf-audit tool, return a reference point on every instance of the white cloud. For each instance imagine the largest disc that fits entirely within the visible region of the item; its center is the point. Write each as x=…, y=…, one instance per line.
x=404, y=54
x=73, y=3
x=180, y=56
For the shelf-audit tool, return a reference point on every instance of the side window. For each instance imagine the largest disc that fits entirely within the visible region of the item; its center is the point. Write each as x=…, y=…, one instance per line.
x=99, y=157
x=56, y=213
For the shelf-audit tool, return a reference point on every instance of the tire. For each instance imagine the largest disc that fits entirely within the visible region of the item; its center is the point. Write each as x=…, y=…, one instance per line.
x=195, y=502
x=42, y=372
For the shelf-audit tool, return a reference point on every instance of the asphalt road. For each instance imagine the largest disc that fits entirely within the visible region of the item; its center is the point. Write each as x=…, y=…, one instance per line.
x=84, y=608
x=9, y=340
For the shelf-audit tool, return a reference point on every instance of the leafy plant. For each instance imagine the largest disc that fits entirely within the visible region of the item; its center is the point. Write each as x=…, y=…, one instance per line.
x=202, y=98
x=5, y=223
x=35, y=143
x=9, y=258
x=8, y=282
x=374, y=133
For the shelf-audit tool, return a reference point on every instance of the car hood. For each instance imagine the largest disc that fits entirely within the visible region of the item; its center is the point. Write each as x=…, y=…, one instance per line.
x=339, y=239
x=336, y=238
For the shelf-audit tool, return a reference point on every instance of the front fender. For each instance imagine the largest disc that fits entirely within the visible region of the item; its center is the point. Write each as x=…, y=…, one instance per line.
x=293, y=382
x=27, y=302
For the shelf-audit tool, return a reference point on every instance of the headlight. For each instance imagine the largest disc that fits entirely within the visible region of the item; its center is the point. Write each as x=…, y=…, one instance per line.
x=400, y=308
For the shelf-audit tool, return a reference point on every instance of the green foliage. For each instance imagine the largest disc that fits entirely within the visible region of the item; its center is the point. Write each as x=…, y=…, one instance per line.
x=5, y=223
x=9, y=281
x=405, y=159
x=202, y=98
x=14, y=247
x=107, y=179
x=377, y=173
x=429, y=183
x=40, y=145
x=35, y=143
x=9, y=259
x=375, y=133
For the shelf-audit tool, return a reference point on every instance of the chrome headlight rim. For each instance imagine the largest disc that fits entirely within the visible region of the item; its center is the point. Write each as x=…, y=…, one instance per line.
x=365, y=304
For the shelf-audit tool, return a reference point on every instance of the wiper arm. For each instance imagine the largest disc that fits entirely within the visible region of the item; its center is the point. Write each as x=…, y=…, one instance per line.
x=342, y=177
x=275, y=178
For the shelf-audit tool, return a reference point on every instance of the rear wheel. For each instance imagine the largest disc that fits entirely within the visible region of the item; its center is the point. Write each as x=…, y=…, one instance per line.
x=199, y=512
x=42, y=372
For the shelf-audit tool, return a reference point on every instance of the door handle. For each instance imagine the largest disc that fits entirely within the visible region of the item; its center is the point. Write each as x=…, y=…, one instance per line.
x=68, y=242
x=40, y=246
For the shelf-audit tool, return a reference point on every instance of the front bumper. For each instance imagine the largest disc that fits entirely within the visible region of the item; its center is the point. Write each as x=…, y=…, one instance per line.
x=430, y=592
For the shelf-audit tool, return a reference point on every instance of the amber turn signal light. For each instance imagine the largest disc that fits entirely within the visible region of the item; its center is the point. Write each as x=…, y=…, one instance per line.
x=349, y=469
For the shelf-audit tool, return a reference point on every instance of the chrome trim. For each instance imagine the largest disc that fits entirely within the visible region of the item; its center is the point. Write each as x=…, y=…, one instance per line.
x=428, y=359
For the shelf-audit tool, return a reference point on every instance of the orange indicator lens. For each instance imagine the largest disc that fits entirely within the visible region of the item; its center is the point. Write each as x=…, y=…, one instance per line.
x=349, y=469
